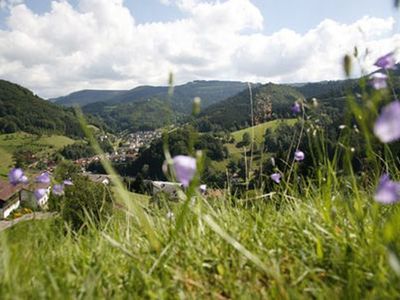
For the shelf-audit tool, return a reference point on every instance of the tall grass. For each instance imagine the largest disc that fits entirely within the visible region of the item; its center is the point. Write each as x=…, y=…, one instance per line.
x=303, y=249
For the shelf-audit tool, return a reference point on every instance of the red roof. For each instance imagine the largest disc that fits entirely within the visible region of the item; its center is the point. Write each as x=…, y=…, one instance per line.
x=8, y=190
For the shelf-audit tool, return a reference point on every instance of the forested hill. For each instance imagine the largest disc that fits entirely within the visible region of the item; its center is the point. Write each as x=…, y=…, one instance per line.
x=21, y=110
x=148, y=114
x=339, y=88
x=84, y=97
x=270, y=101
x=210, y=92
x=327, y=89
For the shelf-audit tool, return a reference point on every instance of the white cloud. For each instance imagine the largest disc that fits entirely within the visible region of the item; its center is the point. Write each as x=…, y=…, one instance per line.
x=9, y=3
x=165, y=2
x=98, y=44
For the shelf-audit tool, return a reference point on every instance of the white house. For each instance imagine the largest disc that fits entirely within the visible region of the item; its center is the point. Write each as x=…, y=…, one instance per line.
x=98, y=178
x=10, y=198
x=170, y=188
x=27, y=194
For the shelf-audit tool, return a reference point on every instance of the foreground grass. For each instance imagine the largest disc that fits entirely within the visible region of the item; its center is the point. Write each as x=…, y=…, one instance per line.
x=312, y=247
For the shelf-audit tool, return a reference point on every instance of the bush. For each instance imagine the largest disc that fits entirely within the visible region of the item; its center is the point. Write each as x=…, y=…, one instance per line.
x=84, y=204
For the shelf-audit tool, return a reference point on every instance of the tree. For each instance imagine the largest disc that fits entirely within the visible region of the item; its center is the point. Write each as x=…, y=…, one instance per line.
x=77, y=150
x=23, y=158
x=246, y=139
x=66, y=170
x=84, y=203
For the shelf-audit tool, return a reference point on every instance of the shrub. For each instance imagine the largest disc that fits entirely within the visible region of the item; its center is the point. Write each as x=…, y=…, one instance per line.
x=84, y=204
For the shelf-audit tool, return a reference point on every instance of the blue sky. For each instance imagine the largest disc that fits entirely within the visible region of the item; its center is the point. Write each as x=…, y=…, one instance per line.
x=299, y=15
x=57, y=47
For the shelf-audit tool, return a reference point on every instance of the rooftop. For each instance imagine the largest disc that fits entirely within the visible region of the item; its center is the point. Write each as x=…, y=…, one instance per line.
x=8, y=190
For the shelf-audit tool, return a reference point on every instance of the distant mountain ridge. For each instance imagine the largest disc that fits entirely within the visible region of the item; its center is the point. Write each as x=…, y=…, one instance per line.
x=84, y=97
x=210, y=92
x=150, y=107
x=270, y=101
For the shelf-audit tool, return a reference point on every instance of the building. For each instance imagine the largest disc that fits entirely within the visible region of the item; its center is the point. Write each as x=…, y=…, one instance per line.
x=98, y=178
x=28, y=196
x=10, y=198
x=170, y=188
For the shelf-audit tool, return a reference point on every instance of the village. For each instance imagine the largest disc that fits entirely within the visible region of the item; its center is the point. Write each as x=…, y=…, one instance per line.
x=15, y=200
x=15, y=197
x=126, y=147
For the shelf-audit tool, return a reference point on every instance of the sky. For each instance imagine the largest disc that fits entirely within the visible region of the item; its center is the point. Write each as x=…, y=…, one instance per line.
x=57, y=47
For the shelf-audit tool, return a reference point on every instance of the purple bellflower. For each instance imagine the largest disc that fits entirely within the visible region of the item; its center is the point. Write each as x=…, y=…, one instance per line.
x=68, y=182
x=16, y=176
x=24, y=180
x=388, y=192
x=379, y=81
x=40, y=193
x=58, y=189
x=387, y=126
x=185, y=168
x=299, y=155
x=276, y=177
x=296, y=108
x=387, y=61
x=43, y=178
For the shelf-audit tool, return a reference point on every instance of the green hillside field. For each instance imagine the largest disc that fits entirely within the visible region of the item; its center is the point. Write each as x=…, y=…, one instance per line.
x=236, y=153
x=41, y=145
x=259, y=130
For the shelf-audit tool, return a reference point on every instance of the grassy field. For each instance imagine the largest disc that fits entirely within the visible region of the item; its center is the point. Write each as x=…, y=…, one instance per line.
x=236, y=153
x=299, y=247
x=42, y=146
x=259, y=130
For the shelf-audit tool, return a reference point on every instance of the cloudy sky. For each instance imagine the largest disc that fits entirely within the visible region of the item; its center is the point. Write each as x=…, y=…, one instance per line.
x=56, y=47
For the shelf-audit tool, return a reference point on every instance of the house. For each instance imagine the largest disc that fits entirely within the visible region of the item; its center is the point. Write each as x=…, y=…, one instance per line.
x=10, y=198
x=98, y=178
x=170, y=188
x=28, y=196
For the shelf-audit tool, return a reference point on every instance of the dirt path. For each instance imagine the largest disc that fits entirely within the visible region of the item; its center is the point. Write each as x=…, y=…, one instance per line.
x=34, y=216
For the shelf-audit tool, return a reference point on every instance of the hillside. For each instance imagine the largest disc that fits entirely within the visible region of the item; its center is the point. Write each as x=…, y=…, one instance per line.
x=259, y=130
x=338, y=88
x=41, y=146
x=270, y=101
x=145, y=115
x=150, y=107
x=84, y=97
x=324, y=89
x=21, y=110
x=210, y=92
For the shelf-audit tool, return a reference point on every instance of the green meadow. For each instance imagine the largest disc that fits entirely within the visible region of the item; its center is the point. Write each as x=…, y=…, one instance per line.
x=42, y=146
x=315, y=245
x=259, y=130
x=257, y=135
